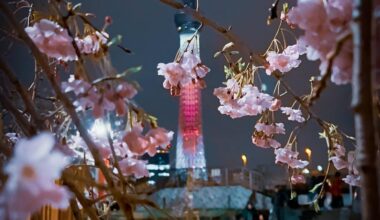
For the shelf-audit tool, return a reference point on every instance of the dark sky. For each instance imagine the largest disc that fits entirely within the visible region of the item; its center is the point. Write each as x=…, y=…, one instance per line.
x=147, y=28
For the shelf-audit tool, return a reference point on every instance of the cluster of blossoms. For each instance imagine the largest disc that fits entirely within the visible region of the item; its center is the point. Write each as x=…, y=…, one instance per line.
x=179, y=74
x=339, y=161
x=293, y=114
x=323, y=23
x=31, y=175
x=285, y=155
x=263, y=135
x=297, y=179
x=100, y=98
x=285, y=61
x=247, y=101
x=129, y=147
x=54, y=41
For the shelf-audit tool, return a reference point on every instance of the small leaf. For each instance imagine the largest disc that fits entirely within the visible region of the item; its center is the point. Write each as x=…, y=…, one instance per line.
x=316, y=206
x=116, y=40
x=77, y=6
x=285, y=7
x=217, y=54
x=316, y=186
x=293, y=195
x=234, y=52
x=228, y=46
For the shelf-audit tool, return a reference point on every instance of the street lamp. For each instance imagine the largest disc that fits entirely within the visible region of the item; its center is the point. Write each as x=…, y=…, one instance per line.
x=308, y=153
x=244, y=160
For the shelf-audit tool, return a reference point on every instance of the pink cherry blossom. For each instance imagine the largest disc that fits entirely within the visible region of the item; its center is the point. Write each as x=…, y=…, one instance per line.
x=270, y=129
x=339, y=162
x=298, y=164
x=91, y=43
x=339, y=150
x=276, y=105
x=158, y=137
x=77, y=86
x=192, y=63
x=121, y=94
x=140, y=144
x=102, y=105
x=287, y=156
x=351, y=163
x=297, y=179
x=250, y=103
x=323, y=22
x=137, y=143
x=294, y=114
x=32, y=172
x=174, y=75
x=131, y=166
x=188, y=69
x=281, y=62
x=353, y=180
x=52, y=40
x=285, y=61
x=265, y=142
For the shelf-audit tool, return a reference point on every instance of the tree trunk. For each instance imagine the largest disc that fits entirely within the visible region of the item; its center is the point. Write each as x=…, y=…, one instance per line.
x=376, y=74
x=363, y=106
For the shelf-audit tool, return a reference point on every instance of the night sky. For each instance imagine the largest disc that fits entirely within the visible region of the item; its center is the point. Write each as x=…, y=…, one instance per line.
x=148, y=30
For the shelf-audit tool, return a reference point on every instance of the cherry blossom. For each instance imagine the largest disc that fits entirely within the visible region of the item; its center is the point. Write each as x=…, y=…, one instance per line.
x=353, y=180
x=101, y=99
x=137, y=143
x=276, y=105
x=265, y=142
x=91, y=43
x=286, y=60
x=131, y=166
x=339, y=162
x=294, y=114
x=250, y=103
x=263, y=135
x=32, y=172
x=52, y=40
x=270, y=129
x=122, y=93
x=158, y=137
x=287, y=156
x=323, y=22
x=77, y=86
x=174, y=75
x=339, y=150
x=187, y=70
x=192, y=63
x=140, y=144
x=297, y=179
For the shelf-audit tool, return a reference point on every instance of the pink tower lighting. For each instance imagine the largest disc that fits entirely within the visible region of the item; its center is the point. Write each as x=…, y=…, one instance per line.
x=190, y=147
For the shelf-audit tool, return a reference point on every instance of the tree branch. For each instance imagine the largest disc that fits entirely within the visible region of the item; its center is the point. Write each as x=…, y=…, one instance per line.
x=69, y=108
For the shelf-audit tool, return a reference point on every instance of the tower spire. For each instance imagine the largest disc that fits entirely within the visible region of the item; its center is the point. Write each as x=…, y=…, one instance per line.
x=190, y=147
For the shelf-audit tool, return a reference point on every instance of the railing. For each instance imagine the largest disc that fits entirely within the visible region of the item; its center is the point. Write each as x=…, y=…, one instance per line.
x=251, y=179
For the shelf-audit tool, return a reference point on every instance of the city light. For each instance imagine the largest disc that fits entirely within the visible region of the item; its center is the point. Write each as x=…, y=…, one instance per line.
x=306, y=171
x=319, y=168
x=99, y=129
x=244, y=159
x=308, y=153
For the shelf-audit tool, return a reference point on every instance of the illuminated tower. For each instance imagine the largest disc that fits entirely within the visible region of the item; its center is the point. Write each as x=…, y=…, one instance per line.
x=190, y=148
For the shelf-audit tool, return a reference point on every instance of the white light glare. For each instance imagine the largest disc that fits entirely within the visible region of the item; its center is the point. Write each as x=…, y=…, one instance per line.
x=319, y=168
x=99, y=129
